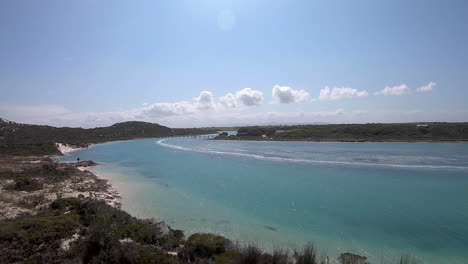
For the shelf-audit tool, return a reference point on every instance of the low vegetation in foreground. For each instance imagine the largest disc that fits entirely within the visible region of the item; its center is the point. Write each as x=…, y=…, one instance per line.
x=73, y=230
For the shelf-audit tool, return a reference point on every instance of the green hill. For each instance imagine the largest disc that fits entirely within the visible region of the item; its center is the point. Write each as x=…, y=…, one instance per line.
x=24, y=139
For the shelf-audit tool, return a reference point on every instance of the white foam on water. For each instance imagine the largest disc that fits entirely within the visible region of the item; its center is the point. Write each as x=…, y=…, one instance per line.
x=272, y=158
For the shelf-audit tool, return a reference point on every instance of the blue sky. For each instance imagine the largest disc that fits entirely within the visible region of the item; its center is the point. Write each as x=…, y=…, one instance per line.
x=188, y=63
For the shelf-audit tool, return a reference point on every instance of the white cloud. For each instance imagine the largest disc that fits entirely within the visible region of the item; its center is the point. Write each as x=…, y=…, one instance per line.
x=249, y=97
x=426, y=88
x=395, y=90
x=205, y=100
x=228, y=101
x=340, y=93
x=186, y=114
x=167, y=109
x=286, y=95
x=227, y=112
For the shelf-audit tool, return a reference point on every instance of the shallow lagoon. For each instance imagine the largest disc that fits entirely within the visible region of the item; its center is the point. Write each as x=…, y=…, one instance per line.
x=374, y=199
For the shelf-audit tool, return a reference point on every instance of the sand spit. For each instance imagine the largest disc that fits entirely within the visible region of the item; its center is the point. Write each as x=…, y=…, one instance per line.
x=28, y=184
x=65, y=148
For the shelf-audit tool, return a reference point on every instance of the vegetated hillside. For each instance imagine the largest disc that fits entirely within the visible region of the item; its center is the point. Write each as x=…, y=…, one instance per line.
x=359, y=132
x=23, y=139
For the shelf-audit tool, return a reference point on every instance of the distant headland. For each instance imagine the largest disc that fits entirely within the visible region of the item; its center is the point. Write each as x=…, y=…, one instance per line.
x=397, y=132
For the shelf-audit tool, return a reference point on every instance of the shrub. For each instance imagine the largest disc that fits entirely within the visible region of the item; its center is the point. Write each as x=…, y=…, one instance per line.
x=228, y=257
x=279, y=256
x=34, y=239
x=407, y=259
x=251, y=254
x=141, y=254
x=24, y=183
x=308, y=255
x=202, y=245
x=50, y=166
x=350, y=258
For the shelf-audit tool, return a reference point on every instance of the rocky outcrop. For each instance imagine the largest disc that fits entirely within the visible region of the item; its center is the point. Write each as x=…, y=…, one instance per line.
x=86, y=163
x=349, y=258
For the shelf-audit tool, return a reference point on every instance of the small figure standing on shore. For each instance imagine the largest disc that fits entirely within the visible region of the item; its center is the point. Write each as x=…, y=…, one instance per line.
x=78, y=159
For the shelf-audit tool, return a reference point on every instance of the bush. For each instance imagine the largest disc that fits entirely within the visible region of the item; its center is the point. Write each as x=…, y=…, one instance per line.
x=142, y=254
x=251, y=255
x=308, y=255
x=202, y=245
x=228, y=257
x=104, y=226
x=407, y=259
x=279, y=257
x=34, y=239
x=223, y=134
x=24, y=183
x=50, y=166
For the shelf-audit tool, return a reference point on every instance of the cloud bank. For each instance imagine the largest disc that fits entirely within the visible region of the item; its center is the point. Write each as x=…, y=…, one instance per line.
x=167, y=109
x=395, y=90
x=228, y=101
x=249, y=97
x=205, y=100
x=229, y=110
x=426, y=88
x=286, y=95
x=340, y=93
x=182, y=115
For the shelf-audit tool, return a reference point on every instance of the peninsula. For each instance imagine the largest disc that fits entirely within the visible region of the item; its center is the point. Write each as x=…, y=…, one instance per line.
x=398, y=132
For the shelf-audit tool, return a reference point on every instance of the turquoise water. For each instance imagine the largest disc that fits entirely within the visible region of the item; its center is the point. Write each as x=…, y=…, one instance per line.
x=375, y=199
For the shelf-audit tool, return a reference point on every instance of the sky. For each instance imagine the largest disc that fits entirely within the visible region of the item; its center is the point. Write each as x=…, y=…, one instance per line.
x=198, y=63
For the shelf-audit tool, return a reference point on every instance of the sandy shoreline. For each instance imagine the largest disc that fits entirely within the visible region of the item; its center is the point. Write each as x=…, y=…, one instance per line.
x=111, y=196
x=65, y=148
x=68, y=148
